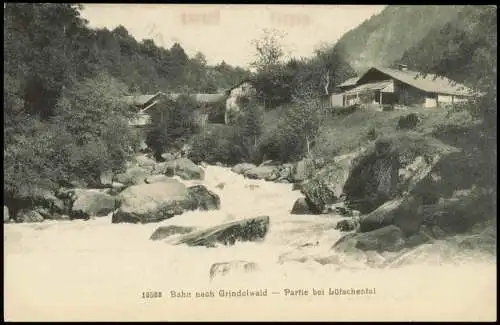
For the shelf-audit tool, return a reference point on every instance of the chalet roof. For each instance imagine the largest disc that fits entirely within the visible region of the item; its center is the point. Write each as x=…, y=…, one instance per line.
x=201, y=98
x=349, y=82
x=379, y=85
x=247, y=80
x=141, y=100
x=426, y=82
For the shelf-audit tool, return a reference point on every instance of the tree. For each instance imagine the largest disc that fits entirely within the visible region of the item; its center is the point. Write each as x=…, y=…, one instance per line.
x=302, y=121
x=269, y=48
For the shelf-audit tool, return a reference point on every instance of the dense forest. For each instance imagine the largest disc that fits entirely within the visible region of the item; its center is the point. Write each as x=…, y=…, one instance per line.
x=63, y=118
x=65, y=123
x=464, y=49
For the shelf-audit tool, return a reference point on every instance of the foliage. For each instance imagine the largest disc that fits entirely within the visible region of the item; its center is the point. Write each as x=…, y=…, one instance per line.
x=172, y=122
x=219, y=143
x=88, y=135
x=270, y=52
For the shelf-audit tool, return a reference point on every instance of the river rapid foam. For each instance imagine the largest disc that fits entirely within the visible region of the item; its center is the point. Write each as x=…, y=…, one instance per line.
x=95, y=270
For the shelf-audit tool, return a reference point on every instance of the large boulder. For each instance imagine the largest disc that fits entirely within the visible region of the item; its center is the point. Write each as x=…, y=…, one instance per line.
x=301, y=207
x=147, y=203
x=92, y=203
x=182, y=167
x=242, y=168
x=254, y=229
x=404, y=212
x=268, y=173
x=28, y=216
x=326, y=186
x=203, y=198
x=167, y=231
x=390, y=238
x=6, y=216
x=132, y=176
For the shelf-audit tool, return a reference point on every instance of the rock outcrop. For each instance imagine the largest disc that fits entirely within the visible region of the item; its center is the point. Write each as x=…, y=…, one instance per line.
x=390, y=238
x=326, y=186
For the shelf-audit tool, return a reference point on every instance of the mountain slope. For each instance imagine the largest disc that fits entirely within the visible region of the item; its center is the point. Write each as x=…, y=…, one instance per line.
x=464, y=49
x=384, y=38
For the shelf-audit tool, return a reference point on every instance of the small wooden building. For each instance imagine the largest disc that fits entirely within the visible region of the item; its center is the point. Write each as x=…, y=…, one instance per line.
x=388, y=86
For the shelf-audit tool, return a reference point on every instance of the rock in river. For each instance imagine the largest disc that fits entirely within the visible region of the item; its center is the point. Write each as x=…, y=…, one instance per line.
x=301, y=207
x=254, y=229
x=203, y=198
x=182, y=167
x=242, y=168
x=153, y=202
x=92, y=203
x=167, y=231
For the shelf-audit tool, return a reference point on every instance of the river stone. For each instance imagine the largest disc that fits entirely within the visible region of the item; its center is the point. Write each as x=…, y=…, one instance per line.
x=145, y=162
x=203, y=198
x=347, y=225
x=301, y=207
x=92, y=203
x=29, y=216
x=167, y=231
x=390, y=239
x=147, y=203
x=132, y=176
x=285, y=173
x=254, y=229
x=226, y=268
x=268, y=173
x=157, y=179
x=184, y=168
x=6, y=216
x=242, y=168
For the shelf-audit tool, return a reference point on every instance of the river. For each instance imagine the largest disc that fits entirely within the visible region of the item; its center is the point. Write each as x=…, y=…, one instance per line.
x=95, y=270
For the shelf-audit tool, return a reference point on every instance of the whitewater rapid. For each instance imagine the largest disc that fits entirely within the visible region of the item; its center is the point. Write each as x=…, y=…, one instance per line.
x=95, y=270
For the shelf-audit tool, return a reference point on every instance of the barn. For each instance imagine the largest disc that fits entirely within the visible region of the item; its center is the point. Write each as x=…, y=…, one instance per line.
x=390, y=86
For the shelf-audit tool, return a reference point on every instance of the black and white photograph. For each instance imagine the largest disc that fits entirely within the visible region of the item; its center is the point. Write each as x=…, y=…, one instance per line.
x=230, y=162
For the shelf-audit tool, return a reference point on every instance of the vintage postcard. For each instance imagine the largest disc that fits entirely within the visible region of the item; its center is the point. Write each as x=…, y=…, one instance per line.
x=170, y=162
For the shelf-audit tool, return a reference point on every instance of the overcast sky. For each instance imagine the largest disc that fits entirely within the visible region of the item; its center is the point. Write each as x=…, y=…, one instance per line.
x=224, y=32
